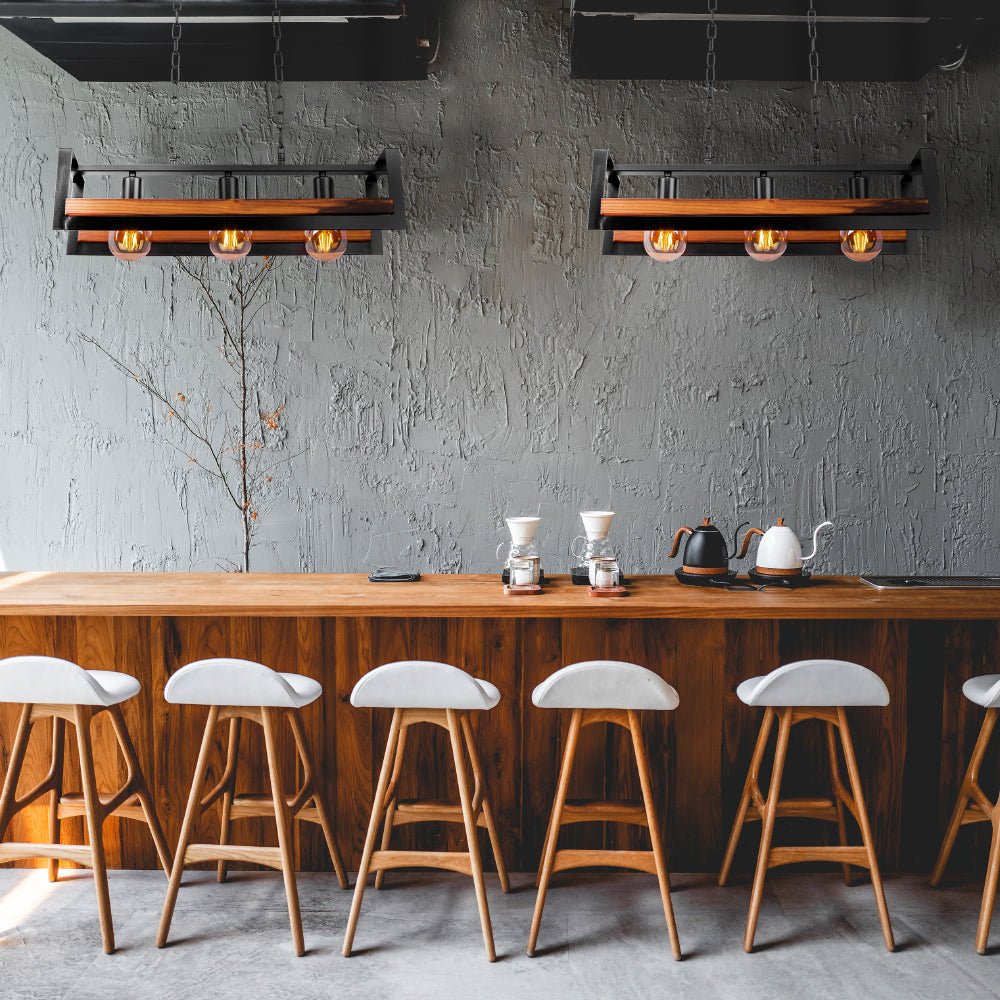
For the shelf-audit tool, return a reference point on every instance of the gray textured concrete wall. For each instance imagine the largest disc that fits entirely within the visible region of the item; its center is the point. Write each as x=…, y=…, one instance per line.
x=493, y=362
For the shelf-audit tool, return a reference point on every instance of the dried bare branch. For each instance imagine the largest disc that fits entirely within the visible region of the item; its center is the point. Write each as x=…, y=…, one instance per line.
x=233, y=439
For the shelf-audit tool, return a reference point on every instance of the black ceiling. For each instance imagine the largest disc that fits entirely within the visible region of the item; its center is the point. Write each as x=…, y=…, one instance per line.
x=228, y=40
x=768, y=40
x=122, y=40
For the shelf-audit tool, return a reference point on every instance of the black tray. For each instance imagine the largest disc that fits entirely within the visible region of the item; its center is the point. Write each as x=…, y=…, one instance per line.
x=719, y=582
x=792, y=582
x=704, y=579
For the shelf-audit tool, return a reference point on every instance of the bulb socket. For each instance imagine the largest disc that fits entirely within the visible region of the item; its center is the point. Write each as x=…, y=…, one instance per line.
x=666, y=186
x=858, y=186
x=322, y=186
x=131, y=186
x=229, y=186
x=763, y=186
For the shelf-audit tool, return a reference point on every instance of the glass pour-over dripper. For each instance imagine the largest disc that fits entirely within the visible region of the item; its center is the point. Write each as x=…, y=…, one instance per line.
x=593, y=544
x=522, y=544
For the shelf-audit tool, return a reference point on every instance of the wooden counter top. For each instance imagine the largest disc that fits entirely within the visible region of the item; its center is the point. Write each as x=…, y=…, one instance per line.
x=462, y=596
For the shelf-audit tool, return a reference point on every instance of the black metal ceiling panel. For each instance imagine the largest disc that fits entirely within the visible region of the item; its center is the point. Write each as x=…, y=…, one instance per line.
x=99, y=40
x=199, y=8
x=797, y=8
x=767, y=40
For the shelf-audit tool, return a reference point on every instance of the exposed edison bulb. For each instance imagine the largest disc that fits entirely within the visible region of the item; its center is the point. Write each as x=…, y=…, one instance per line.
x=326, y=244
x=665, y=244
x=861, y=244
x=130, y=244
x=230, y=244
x=765, y=244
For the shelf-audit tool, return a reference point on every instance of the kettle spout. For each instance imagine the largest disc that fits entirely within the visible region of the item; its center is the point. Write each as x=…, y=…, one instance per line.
x=746, y=541
x=819, y=528
x=681, y=532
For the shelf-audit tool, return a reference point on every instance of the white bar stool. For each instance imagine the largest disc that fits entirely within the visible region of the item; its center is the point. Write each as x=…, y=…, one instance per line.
x=974, y=806
x=613, y=692
x=50, y=688
x=794, y=693
x=437, y=693
x=238, y=690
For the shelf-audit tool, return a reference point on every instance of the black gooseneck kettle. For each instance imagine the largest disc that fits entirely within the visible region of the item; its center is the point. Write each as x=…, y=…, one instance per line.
x=706, y=552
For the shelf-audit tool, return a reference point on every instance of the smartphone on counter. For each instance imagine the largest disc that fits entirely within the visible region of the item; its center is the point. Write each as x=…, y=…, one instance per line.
x=386, y=574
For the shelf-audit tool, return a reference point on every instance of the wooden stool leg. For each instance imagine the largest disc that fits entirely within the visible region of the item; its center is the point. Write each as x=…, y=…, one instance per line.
x=753, y=774
x=866, y=830
x=378, y=807
x=835, y=787
x=491, y=826
x=283, y=820
x=961, y=803
x=95, y=821
x=541, y=859
x=392, y=792
x=553, y=836
x=645, y=782
x=141, y=788
x=225, y=822
x=324, y=818
x=989, y=890
x=191, y=814
x=58, y=762
x=8, y=797
x=471, y=830
x=767, y=831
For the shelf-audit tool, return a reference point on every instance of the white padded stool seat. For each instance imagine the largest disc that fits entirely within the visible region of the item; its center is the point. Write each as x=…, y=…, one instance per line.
x=605, y=684
x=817, y=683
x=983, y=690
x=239, y=683
x=423, y=684
x=47, y=680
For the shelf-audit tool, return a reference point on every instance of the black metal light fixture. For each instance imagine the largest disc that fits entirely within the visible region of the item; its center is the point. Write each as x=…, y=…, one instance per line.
x=719, y=227
x=193, y=226
x=764, y=227
x=231, y=227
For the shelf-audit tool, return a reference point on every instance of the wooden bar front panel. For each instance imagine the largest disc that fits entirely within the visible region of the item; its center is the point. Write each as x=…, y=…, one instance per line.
x=912, y=753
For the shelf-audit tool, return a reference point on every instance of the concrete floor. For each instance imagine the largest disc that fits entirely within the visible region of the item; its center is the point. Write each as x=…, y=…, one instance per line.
x=603, y=936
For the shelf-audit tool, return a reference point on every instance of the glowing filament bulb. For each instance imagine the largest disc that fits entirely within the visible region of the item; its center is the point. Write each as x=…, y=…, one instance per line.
x=130, y=244
x=765, y=244
x=665, y=244
x=861, y=244
x=326, y=244
x=230, y=244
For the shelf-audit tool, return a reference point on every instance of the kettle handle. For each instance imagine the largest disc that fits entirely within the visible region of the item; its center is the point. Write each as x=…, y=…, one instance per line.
x=572, y=546
x=500, y=558
x=819, y=528
x=677, y=540
x=746, y=541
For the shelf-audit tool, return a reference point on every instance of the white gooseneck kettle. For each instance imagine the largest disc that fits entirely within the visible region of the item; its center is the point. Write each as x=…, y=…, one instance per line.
x=780, y=552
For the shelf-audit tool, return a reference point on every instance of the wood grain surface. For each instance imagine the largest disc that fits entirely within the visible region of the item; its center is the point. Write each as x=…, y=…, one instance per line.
x=756, y=207
x=202, y=236
x=911, y=754
x=464, y=596
x=738, y=236
x=258, y=207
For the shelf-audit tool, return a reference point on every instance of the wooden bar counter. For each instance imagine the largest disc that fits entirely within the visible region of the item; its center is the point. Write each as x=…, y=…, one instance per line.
x=704, y=642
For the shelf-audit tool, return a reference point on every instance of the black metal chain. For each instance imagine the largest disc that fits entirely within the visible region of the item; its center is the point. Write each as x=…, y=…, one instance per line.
x=175, y=73
x=279, y=81
x=175, y=36
x=814, y=104
x=711, y=30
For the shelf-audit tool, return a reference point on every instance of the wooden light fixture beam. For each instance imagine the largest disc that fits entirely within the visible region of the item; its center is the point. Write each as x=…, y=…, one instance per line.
x=181, y=226
x=715, y=226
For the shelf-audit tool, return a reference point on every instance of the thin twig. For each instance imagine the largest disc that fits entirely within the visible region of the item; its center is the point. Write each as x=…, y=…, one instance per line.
x=246, y=446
